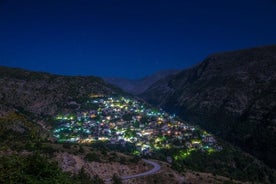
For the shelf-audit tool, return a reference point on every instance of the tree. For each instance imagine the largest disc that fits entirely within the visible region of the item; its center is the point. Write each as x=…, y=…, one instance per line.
x=92, y=157
x=97, y=180
x=116, y=179
x=127, y=117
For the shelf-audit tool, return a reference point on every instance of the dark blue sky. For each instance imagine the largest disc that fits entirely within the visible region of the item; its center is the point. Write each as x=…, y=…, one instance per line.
x=128, y=38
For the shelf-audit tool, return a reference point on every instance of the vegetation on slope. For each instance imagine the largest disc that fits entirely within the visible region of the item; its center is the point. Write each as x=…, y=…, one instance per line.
x=231, y=95
x=27, y=101
x=36, y=168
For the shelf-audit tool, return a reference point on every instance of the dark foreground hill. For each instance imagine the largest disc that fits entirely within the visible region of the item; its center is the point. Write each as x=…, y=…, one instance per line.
x=231, y=94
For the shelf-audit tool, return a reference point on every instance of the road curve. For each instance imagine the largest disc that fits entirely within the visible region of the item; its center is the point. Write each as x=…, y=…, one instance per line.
x=156, y=167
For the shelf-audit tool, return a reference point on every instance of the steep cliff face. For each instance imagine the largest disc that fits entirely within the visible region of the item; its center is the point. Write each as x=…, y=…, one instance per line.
x=45, y=94
x=231, y=94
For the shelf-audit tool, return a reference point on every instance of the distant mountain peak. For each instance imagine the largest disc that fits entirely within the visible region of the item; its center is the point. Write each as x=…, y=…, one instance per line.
x=138, y=86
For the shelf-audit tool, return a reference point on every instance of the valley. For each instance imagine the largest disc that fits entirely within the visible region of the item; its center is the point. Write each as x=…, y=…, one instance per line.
x=201, y=125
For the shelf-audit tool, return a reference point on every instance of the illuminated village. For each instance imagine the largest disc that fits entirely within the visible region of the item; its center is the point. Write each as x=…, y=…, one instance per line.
x=120, y=120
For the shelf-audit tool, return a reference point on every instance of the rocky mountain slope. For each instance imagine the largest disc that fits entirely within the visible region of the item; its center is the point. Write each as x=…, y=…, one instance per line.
x=231, y=94
x=138, y=86
x=32, y=103
x=28, y=103
x=45, y=94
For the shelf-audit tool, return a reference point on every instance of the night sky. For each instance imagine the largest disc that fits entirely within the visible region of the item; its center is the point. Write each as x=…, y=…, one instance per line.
x=128, y=38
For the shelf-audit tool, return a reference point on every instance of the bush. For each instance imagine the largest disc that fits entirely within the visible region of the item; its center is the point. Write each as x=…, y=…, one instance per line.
x=81, y=150
x=66, y=146
x=116, y=179
x=92, y=157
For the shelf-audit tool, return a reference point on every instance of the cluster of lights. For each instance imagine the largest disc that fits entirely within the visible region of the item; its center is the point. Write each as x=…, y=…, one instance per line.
x=119, y=120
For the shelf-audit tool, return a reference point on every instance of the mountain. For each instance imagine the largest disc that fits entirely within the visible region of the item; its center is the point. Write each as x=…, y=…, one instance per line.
x=28, y=103
x=46, y=94
x=231, y=94
x=64, y=129
x=138, y=86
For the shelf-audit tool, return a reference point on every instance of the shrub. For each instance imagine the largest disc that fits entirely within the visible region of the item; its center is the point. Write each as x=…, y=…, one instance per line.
x=92, y=157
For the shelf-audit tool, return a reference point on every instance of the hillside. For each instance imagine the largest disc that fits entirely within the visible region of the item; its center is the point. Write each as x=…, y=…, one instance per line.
x=231, y=94
x=138, y=86
x=56, y=124
x=46, y=94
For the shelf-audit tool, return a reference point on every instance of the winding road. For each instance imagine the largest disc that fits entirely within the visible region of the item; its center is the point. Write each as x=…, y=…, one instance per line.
x=156, y=167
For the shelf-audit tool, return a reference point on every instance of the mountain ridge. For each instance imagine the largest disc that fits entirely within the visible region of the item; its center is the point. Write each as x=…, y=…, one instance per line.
x=36, y=106
x=231, y=94
x=138, y=86
x=45, y=93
